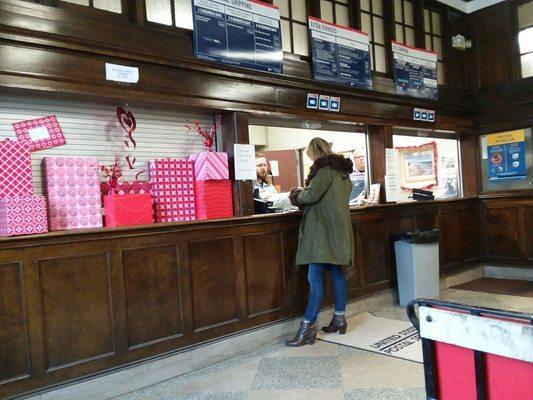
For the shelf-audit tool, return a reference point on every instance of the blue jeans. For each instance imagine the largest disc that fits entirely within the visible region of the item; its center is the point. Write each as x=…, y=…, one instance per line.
x=315, y=276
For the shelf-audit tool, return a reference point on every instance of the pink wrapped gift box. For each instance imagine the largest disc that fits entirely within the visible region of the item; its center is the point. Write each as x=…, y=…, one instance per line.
x=173, y=189
x=15, y=169
x=23, y=215
x=73, y=192
x=128, y=209
x=214, y=199
x=210, y=165
x=136, y=187
x=40, y=133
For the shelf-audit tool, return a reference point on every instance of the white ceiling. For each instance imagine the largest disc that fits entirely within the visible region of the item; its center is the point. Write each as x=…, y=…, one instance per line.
x=470, y=6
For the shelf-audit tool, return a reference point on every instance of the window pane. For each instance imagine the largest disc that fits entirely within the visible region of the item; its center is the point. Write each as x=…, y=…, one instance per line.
x=381, y=61
x=283, y=7
x=109, y=5
x=429, y=46
x=527, y=65
x=300, y=39
x=326, y=10
x=81, y=2
x=365, y=5
x=525, y=38
x=398, y=11
x=409, y=36
x=286, y=36
x=343, y=1
x=342, y=15
x=183, y=11
x=437, y=46
x=372, y=58
x=365, y=24
x=378, y=30
x=408, y=13
x=377, y=7
x=159, y=11
x=435, y=18
x=299, y=13
x=427, y=22
x=525, y=15
x=399, y=33
x=440, y=73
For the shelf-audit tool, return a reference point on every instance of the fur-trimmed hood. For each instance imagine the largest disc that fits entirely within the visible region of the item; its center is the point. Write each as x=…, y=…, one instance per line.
x=335, y=161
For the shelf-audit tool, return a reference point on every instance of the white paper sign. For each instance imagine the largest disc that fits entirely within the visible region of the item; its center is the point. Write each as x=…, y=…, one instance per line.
x=274, y=167
x=391, y=187
x=391, y=161
x=244, y=161
x=39, y=133
x=121, y=73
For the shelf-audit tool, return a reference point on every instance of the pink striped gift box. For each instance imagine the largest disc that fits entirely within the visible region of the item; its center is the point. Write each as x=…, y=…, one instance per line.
x=210, y=166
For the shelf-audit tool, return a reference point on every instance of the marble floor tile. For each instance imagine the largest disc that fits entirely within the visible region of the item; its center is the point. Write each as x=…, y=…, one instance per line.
x=386, y=394
x=501, y=301
x=312, y=394
x=319, y=349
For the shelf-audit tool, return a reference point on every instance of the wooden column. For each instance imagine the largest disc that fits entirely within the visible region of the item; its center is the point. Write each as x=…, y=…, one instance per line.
x=469, y=165
x=379, y=138
x=234, y=129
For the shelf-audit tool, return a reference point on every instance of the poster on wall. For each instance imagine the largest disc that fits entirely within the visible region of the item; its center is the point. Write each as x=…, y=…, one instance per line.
x=245, y=33
x=506, y=155
x=415, y=71
x=418, y=166
x=340, y=55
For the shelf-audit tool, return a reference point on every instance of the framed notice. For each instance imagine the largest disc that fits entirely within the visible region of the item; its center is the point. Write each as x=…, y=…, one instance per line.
x=246, y=33
x=506, y=155
x=340, y=55
x=415, y=71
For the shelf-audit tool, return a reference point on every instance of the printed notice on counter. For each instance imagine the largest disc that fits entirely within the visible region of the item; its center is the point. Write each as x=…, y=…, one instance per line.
x=340, y=54
x=244, y=161
x=391, y=161
x=121, y=73
x=415, y=71
x=245, y=33
x=392, y=188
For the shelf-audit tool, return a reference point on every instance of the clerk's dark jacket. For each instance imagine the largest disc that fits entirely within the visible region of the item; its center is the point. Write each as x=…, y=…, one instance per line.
x=326, y=234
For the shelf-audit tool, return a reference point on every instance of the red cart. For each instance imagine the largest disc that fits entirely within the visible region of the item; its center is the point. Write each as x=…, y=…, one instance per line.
x=474, y=353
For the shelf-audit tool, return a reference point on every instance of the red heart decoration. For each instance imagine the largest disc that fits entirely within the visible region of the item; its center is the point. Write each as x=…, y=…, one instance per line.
x=126, y=119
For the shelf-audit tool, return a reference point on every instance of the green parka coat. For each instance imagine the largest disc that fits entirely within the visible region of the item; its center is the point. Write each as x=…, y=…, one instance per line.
x=326, y=234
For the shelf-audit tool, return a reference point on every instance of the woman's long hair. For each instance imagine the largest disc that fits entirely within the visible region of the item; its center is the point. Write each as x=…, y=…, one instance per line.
x=318, y=148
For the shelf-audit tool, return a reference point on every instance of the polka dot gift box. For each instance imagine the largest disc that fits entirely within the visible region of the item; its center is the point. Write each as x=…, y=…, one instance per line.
x=73, y=192
x=40, y=133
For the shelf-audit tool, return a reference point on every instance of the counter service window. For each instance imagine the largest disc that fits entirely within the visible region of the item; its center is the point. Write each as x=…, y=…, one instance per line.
x=433, y=38
x=170, y=12
x=372, y=22
x=293, y=14
x=282, y=163
x=114, y=6
x=426, y=160
x=525, y=38
x=404, y=22
x=507, y=160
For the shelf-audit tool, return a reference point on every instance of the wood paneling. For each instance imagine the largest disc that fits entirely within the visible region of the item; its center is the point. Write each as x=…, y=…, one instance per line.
x=265, y=276
x=152, y=293
x=77, y=309
x=528, y=228
x=502, y=233
x=213, y=283
x=375, y=246
x=450, y=249
x=14, y=350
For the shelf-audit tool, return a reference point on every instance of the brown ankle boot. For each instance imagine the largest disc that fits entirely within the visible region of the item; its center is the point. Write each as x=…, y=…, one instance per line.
x=306, y=335
x=338, y=323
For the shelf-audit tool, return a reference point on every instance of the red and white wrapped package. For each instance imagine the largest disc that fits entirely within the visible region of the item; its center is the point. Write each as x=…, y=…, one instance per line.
x=23, y=215
x=40, y=133
x=214, y=199
x=210, y=165
x=15, y=169
x=73, y=192
x=173, y=189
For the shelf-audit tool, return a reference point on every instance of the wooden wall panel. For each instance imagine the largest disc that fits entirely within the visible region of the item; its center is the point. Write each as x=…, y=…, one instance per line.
x=265, y=278
x=502, y=233
x=77, y=309
x=528, y=229
x=469, y=228
x=213, y=282
x=14, y=351
x=450, y=248
x=153, y=294
x=375, y=251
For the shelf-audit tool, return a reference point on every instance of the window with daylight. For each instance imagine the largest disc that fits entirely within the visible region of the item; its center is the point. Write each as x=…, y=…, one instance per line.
x=293, y=14
x=372, y=22
x=335, y=11
x=525, y=38
x=114, y=6
x=404, y=22
x=433, y=37
x=176, y=13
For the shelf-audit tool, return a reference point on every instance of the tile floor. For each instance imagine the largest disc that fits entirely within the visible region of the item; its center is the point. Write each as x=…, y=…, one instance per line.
x=322, y=371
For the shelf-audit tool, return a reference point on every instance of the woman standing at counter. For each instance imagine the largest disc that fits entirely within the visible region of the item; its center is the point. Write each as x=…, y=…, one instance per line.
x=325, y=239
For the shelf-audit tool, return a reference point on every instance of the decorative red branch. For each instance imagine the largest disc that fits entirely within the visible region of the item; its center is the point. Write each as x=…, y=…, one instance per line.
x=207, y=133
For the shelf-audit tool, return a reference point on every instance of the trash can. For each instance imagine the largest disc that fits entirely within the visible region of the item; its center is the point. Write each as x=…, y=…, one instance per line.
x=417, y=265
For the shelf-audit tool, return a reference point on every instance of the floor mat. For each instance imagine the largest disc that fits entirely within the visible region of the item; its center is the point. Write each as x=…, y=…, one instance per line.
x=510, y=287
x=379, y=335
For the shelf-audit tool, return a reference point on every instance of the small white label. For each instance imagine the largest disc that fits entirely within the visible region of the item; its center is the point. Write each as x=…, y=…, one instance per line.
x=274, y=167
x=39, y=133
x=244, y=161
x=121, y=73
